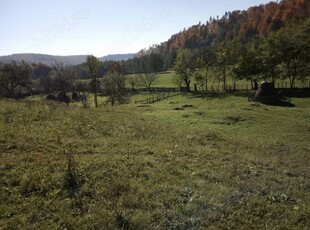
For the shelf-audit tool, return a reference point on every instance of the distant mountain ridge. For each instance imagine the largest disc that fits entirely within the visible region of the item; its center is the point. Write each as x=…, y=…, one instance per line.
x=67, y=60
x=117, y=57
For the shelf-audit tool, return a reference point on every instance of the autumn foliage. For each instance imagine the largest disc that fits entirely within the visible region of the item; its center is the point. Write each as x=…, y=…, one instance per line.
x=243, y=25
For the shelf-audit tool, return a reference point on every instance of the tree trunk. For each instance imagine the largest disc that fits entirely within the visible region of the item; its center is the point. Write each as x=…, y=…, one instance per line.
x=255, y=85
x=224, y=79
x=188, y=88
x=12, y=91
x=206, y=78
x=292, y=83
x=234, y=81
x=294, y=75
x=251, y=81
x=94, y=80
x=149, y=88
x=95, y=99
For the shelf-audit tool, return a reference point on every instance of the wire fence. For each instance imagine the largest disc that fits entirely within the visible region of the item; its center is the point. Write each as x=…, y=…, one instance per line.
x=157, y=98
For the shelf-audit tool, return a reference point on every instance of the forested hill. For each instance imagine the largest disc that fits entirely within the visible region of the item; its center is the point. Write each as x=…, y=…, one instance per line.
x=246, y=25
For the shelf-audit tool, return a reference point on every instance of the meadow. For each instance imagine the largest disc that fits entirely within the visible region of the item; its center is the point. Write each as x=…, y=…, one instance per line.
x=192, y=161
x=166, y=79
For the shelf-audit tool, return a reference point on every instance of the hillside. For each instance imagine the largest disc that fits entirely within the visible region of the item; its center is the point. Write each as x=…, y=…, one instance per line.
x=244, y=26
x=67, y=60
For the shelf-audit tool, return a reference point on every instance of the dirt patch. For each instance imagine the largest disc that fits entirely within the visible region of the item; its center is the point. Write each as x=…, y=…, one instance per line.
x=187, y=106
x=234, y=119
x=199, y=113
x=184, y=107
x=185, y=115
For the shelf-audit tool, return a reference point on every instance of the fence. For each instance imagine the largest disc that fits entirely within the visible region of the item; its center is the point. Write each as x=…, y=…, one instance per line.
x=154, y=99
x=153, y=90
x=229, y=87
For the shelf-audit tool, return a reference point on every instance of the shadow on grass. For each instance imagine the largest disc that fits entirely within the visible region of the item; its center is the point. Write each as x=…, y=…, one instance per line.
x=278, y=103
x=298, y=93
x=219, y=95
x=245, y=94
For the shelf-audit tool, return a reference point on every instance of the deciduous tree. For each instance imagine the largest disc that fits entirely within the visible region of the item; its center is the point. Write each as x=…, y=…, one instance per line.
x=61, y=77
x=114, y=84
x=205, y=62
x=248, y=66
x=93, y=65
x=184, y=67
x=14, y=75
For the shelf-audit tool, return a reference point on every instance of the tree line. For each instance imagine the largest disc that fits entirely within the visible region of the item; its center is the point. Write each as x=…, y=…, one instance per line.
x=107, y=78
x=280, y=55
x=245, y=25
x=22, y=79
x=19, y=79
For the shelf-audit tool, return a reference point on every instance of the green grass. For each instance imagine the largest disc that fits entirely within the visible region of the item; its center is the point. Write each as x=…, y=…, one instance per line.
x=165, y=79
x=218, y=163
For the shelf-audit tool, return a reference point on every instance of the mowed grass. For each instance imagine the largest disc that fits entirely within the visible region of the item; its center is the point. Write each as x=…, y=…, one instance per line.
x=187, y=162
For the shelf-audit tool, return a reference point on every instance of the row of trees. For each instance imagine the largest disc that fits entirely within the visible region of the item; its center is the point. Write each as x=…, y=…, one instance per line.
x=19, y=79
x=284, y=54
x=92, y=76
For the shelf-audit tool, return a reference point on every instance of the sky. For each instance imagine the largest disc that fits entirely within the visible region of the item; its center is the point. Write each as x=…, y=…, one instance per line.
x=100, y=27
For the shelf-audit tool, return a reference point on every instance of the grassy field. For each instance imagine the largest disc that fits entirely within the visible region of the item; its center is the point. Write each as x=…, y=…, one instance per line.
x=165, y=79
x=188, y=162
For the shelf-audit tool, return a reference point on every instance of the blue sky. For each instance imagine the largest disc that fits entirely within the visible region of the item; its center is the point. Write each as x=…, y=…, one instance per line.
x=101, y=27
